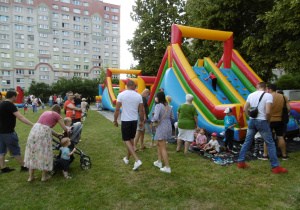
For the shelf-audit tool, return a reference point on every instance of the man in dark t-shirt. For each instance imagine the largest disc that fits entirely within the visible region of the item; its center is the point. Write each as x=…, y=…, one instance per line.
x=8, y=136
x=140, y=132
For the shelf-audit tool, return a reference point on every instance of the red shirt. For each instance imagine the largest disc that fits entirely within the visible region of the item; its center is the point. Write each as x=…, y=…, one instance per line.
x=55, y=97
x=212, y=76
x=69, y=112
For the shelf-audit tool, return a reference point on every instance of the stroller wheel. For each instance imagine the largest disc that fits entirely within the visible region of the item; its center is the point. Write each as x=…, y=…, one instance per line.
x=85, y=163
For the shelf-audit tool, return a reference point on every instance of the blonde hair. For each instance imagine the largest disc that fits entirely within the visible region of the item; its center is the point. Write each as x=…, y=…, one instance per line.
x=76, y=95
x=169, y=98
x=67, y=119
x=64, y=141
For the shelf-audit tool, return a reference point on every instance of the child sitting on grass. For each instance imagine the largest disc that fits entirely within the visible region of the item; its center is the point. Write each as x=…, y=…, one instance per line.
x=213, y=145
x=65, y=157
x=201, y=139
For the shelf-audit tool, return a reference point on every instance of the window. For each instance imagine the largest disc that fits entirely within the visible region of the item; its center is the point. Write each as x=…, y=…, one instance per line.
x=6, y=46
x=30, y=37
x=65, y=9
x=96, y=57
x=55, y=24
x=29, y=28
x=56, y=49
x=43, y=35
x=44, y=68
x=20, y=80
x=5, y=82
x=96, y=26
x=20, y=71
x=5, y=55
x=86, y=75
x=18, y=1
x=96, y=49
x=96, y=72
x=76, y=2
x=86, y=12
x=77, y=67
x=66, y=50
x=86, y=28
x=106, y=39
x=5, y=64
x=19, y=36
x=29, y=10
x=42, y=43
x=42, y=26
x=19, y=54
x=65, y=1
x=65, y=17
x=66, y=58
x=30, y=46
x=65, y=33
x=43, y=9
x=114, y=54
x=19, y=45
x=86, y=44
x=19, y=27
x=77, y=35
x=56, y=66
x=86, y=36
x=77, y=59
x=115, y=10
x=65, y=25
x=56, y=74
x=30, y=55
x=85, y=60
x=106, y=16
x=106, y=31
x=55, y=15
x=77, y=42
x=65, y=66
x=114, y=17
x=114, y=25
x=96, y=41
x=106, y=8
x=106, y=23
x=44, y=60
x=6, y=18
x=43, y=17
x=30, y=19
x=3, y=9
x=30, y=2
x=18, y=9
x=66, y=74
x=77, y=19
x=114, y=40
x=17, y=18
x=30, y=63
x=86, y=20
x=96, y=18
x=114, y=62
x=106, y=61
x=76, y=27
x=45, y=77
x=54, y=6
x=86, y=52
x=77, y=11
x=86, y=67
x=44, y=52
x=56, y=57
x=4, y=28
x=96, y=34
x=114, y=32
x=114, y=47
x=85, y=4
x=4, y=36
x=106, y=54
x=30, y=72
x=77, y=51
x=5, y=73
x=77, y=74
x=106, y=46
x=66, y=41
x=55, y=40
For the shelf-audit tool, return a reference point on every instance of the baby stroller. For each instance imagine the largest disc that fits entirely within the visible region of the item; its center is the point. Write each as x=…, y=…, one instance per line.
x=85, y=162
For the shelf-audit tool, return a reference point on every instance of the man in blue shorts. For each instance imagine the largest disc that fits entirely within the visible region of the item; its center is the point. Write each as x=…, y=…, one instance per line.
x=132, y=105
x=8, y=136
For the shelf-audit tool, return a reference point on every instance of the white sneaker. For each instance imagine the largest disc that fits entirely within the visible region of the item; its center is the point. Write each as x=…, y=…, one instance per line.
x=137, y=164
x=6, y=161
x=165, y=169
x=126, y=161
x=222, y=133
x=157, y=164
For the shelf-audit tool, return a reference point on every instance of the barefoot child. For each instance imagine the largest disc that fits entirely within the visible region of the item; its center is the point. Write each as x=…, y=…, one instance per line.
x=65, y=157
x=213, y=145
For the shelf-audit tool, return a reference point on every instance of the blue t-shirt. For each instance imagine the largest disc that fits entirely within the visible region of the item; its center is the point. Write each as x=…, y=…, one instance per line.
x=64, y=153
x=229, y=121
x=295, y=115
x=26, y=105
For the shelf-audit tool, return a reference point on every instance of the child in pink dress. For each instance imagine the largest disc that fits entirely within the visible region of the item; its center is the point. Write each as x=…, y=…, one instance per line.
x=201, y=139
x=38, y=153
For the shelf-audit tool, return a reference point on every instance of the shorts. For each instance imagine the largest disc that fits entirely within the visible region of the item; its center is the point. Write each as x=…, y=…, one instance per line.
x=128, y=129
x=10, y=141
x=64, y=164
x=25, y=108
x=278, y=127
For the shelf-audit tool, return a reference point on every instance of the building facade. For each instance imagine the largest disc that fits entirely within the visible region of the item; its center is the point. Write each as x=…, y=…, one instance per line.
x=45, y=40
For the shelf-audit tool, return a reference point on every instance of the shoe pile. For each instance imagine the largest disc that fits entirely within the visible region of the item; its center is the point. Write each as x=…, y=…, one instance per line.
x=296, y=139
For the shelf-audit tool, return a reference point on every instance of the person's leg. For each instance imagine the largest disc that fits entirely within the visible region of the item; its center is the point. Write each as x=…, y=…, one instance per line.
x=164, y=152
x=159, y=154
x=282, y=145
x=2, y=161
x=230, y=140
x=130, y=149
x=248, y=141
x=265, y=132
x=20, y=160
x=214, y=84
x=136, y=139
x=179, y=142
x=226, y=138
x=44, y=176
x=142, y=146
x=31, y=175
x=186, y=146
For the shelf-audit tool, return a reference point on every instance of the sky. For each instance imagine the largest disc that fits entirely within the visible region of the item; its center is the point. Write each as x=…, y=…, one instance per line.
x=127, y=27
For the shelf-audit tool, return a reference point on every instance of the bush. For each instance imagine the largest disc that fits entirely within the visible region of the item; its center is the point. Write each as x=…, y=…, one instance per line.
x=288, y=82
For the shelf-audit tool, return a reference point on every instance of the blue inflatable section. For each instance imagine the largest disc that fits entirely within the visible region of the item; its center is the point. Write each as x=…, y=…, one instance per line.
x=235, y=82
x=202, y=74
x=106, y=104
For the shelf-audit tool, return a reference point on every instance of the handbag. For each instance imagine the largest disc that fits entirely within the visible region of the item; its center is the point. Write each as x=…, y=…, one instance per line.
x=253, y=111
x=156, y=123
x=285, y=113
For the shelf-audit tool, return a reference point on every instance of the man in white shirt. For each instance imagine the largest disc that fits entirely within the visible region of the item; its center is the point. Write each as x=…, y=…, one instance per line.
x=132, y=105
x=260, y=124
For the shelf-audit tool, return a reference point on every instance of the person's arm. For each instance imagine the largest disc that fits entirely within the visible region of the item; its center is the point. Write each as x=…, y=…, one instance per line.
x=156, y=113
x=71, y=153
x=268, y=112
x=22, y=118
x=117, y=112
x=196, y=120
x=62, y=124
x=246, y=107
x=287, y=104
x=172, y=115
x=142, y=113
x=71, y=106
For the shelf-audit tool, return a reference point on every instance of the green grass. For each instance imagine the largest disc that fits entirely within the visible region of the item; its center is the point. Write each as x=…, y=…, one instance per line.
x=195, y=182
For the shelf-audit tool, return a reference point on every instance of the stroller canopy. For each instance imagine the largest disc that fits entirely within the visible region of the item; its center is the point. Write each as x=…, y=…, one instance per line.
x=76, y=131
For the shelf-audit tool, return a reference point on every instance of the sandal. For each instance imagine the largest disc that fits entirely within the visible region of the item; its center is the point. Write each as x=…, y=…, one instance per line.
x=68, y=177
x=137, y=150
x=47, y=177
x=145, y=147
x=30, y=180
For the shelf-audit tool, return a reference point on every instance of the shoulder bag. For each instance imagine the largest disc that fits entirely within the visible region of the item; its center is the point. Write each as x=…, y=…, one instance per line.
x=285, y=113
x=156, y=123
x=253, y=111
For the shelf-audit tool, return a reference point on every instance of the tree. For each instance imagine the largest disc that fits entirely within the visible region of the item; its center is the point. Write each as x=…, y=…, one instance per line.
x=152, y=36
x=40, y=89
x=239, y=16
x=288, y=82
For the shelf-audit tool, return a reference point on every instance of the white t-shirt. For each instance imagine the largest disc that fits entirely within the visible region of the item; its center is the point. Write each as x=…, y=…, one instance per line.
x=216, y=144
x=130, y=104
x=253, y=99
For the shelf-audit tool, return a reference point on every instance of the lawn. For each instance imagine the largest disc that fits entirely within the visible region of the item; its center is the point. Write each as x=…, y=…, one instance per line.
x=195, y=182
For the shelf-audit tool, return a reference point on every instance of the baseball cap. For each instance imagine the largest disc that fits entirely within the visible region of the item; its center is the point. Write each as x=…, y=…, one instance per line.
x=214, y=134
x=228, y=110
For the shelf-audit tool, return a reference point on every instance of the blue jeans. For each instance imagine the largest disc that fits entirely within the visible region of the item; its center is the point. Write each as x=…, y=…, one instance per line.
x=34, y=108
x=263, y=127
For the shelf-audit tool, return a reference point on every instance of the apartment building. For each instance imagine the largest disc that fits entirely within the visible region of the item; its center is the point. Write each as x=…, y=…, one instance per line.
x=45, y=40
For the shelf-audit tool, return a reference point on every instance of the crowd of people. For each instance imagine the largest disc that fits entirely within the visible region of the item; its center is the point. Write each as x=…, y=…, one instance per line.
x=39, y=151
